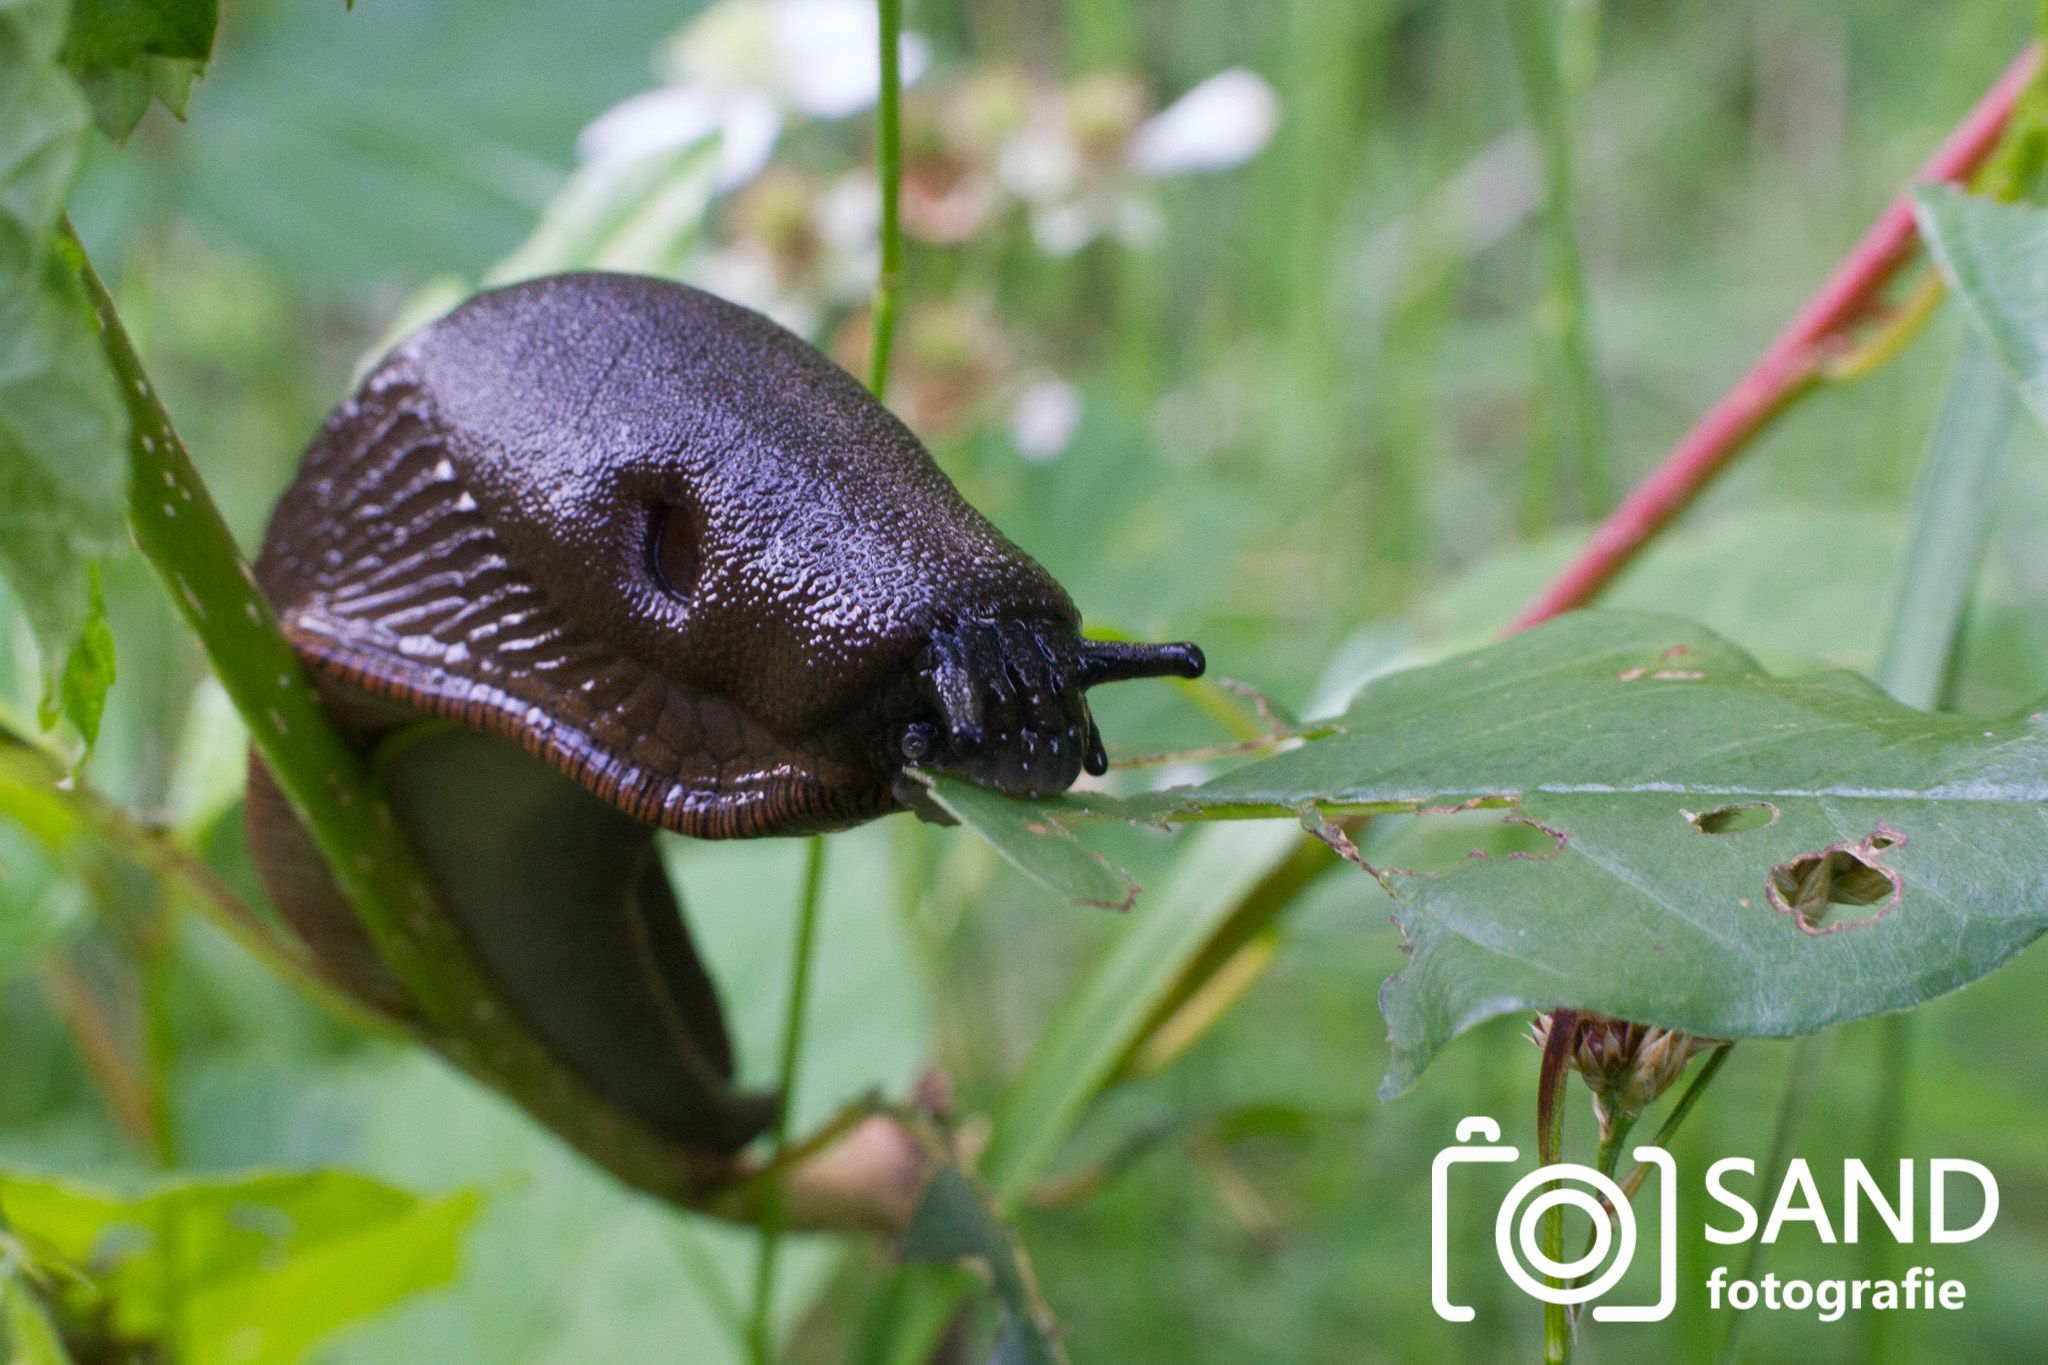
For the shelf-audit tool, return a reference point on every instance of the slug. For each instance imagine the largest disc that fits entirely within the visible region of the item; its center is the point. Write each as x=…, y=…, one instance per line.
x=596, y=555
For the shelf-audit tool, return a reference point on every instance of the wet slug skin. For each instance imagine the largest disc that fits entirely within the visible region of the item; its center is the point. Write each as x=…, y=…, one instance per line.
x=683, y=557
x=650, y=561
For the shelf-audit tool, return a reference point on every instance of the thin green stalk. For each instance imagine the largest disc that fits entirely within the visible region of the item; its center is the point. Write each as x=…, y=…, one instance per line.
x=1949, y=527
x=1886, y=1145
x=889, y=159
x=181, y=533
x=1676, y=1118
x=155, y=956
x=761, y=1336
x=1570, y=408
x=34, y=765
x=1609, y=1154
x=1801, y=1073
x=1556, y=1071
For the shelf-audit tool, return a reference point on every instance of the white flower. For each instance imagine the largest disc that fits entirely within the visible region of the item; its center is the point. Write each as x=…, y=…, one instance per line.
x=1086, y=164
x=740, y=69
x=1223, y=122
x=746, y=123
x=1043, y=418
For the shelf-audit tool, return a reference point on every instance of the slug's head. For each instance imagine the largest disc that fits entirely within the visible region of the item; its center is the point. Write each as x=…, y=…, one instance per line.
x=1004, y=702
x=675, y=551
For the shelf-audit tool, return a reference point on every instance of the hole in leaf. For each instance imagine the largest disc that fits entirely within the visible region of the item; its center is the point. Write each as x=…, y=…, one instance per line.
x=1734, y=819
x=1810, y=886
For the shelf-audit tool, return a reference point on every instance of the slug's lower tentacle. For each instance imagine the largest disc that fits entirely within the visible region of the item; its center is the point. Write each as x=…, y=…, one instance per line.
x=1096, y=763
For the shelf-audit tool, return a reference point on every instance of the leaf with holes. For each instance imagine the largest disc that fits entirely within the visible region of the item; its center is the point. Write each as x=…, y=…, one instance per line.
x=1714, y=849
x=1733, y=854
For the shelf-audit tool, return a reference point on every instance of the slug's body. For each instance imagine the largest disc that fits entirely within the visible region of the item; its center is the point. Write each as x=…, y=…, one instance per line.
x=661, y=564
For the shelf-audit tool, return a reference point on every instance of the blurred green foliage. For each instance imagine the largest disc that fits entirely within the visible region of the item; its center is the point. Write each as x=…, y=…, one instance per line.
x=1309, y=416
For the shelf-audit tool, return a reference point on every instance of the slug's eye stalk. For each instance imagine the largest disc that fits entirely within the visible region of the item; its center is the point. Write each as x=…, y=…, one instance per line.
x=1006, y=701
x=1107, y=661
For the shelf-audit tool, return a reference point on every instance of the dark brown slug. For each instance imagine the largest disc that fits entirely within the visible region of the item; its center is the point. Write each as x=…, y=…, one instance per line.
x=640, y=558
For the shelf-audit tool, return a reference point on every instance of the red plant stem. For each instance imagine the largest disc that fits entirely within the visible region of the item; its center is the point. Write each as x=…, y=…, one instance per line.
x=1783, y=372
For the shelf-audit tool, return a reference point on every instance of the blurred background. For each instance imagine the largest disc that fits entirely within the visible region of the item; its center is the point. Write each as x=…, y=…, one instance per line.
x=1314, y=331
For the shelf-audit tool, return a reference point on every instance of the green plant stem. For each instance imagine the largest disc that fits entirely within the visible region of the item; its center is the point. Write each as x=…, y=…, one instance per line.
x=1569, y=408
x=1668, y=1129
x=1610, y=1148
x=1556, y=1071
x=155, y=956
x=35, y=766
x=181, y=533
x=761, y=1335
x=1794, y=1101
x=1886, y=1146
x=889, y=160
x=1608, y=1154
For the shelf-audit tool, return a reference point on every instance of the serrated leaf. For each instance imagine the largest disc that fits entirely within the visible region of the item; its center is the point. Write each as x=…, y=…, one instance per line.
x=1994, y=255
x=252, y=1269
x=63, y=476
x=42, y=120
x=126, y=52
x=88, y=672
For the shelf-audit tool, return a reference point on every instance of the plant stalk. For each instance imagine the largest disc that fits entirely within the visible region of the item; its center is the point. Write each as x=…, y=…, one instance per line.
x=1556, y=1070
x=889, y=161
x=761, y=1334
x=1788, y=370
x=180, y=532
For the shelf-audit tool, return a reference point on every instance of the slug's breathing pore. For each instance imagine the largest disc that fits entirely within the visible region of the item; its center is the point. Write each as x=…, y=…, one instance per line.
x=705, y=583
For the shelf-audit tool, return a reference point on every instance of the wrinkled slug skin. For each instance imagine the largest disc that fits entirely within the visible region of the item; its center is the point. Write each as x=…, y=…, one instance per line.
x=662, y=565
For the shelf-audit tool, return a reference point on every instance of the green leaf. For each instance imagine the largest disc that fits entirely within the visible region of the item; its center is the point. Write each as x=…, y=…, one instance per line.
x=26, y=1333
x=126, y=52
x=1953, y=504
x=639, y=214
x=1032, y=842
x=1993, y=255
x=957, y=1221
x=253, y=1269
x=1107, y=1015
x=63, y=480
x=81, y=695
x=42, y=121
x=1701, y=813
